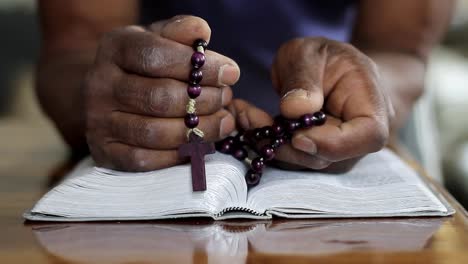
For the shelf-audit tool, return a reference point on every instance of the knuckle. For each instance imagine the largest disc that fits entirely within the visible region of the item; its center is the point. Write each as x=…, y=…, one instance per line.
x=211, y=102
x=91, y=86
x=379, y=134
x=137, y=161
x=91, y=123
x=158, y=101
x=144, y=131
x=124, y=89
x=332, y=149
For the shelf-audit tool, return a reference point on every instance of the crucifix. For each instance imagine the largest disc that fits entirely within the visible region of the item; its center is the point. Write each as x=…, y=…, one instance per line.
x=196, y=150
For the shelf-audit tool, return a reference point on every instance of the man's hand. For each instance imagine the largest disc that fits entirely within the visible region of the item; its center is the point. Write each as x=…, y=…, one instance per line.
x=135, y=94
x=313, y=74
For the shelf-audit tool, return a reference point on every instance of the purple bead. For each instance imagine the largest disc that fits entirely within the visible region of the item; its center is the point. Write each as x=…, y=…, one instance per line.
x=199, y=42
x=257, y=134
x=249, y=137
x=319, y=118
x=278, y=142
x=195, y=76
x=292, y=125
x=277, y=129
x=307, y=120
x=240, y=153
x=257, y=164
x=252, y=178
x=266, y=132
x=191, y=120
x=198, y=59
x=193, y=90
x=224, y=147
x=240, y=138
x=267, y=152
x=230, y=139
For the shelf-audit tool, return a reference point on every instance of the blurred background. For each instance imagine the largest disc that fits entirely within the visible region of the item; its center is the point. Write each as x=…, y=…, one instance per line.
x=437, y=134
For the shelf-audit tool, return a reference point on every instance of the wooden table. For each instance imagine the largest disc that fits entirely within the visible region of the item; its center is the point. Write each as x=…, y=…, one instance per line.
x=23, y=177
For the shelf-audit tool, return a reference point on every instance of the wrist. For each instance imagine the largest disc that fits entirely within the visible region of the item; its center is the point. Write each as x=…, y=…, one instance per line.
x=58, y=89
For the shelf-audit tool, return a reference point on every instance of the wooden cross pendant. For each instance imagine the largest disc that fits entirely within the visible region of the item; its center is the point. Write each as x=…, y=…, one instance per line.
x=196, y=150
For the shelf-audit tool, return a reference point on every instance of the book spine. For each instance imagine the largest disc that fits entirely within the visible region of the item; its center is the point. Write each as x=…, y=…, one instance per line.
x=237, y=209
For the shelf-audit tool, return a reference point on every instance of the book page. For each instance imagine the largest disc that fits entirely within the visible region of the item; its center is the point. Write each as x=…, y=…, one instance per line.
x=380, y=183
x=91, y=193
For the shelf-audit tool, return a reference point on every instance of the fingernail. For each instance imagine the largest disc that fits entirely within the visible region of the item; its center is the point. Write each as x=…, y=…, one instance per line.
x=297, y=94
x=225, y=126
x=228, y=74
x=305, y=144
x=244, y=120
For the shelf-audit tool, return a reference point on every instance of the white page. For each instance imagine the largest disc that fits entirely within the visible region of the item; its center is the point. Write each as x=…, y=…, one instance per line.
x=380, y=183
x=99, y=193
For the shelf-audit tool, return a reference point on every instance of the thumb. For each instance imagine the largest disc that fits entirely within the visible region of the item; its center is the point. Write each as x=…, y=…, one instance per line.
x=183, y=29
x=297, y=75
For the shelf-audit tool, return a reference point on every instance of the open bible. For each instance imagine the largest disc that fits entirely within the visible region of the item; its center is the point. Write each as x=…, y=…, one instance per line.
x=379, y=185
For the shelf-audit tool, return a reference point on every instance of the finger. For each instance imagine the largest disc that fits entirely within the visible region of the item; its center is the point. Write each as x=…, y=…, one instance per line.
x=288, y=154
x=125, y=157
x=147, y=54
x=297, y=74
x=342, y=166
x=165, y=133
x=183, y=29
x=337, y=140
x=249, y=116
x=161, y=97
x=363, y=124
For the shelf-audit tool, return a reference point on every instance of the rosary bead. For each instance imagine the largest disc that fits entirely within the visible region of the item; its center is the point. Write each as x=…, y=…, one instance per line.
x=193, y=90
x=292, y=125
x=191, y=120
x=230, y=140
x=199, y=42
x=257, y=164
x=257, y=134
x=240, y=153
x=240, y=139
x=267, y=152
x=266, y=132
x=224, y=147
x=319, y=118
x=195, y=76
x=277, y=129
x=252, y=178
x=307, y=120
x=278, y=142
x=198, y=59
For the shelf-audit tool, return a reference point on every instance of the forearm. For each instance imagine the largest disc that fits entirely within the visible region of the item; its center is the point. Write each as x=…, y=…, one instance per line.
x=402, y=77
x=58, y=86
x=70, y=34
x=399, y=36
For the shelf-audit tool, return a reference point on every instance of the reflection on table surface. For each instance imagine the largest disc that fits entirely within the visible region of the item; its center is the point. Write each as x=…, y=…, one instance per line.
x=186, y=241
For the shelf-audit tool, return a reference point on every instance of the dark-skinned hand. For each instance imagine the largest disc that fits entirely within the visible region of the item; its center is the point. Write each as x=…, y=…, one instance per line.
x=135, y=94
x=316, y=73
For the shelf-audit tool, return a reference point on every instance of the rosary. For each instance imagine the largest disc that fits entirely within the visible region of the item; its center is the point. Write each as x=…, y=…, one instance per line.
x=276, y=135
